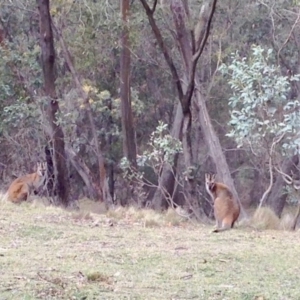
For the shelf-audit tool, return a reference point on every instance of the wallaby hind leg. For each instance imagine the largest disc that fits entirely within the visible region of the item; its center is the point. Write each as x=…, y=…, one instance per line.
x=223, y=228
x=226, y=225
x=218, y=226
x=22, y=194
x=296, y=218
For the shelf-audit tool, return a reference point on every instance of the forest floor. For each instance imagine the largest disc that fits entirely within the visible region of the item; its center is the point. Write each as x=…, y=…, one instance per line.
x=50, y=253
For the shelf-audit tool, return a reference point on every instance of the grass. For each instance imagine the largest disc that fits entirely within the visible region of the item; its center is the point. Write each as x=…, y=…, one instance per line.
x=49, y=253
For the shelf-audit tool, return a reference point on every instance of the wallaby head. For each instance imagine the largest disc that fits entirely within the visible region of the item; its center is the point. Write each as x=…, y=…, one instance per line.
x=210, y=181
x=41, y=168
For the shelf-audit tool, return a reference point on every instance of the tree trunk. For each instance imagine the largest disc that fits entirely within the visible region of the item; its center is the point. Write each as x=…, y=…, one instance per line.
x=103, y=192
x=190, y=55
x=110, y=167
x=191, y=77
x=50, y=171
x=213, y=143
x=129, y=144
x=85, y=174
x=57, y=135
x=277, y=197
x=257, y=189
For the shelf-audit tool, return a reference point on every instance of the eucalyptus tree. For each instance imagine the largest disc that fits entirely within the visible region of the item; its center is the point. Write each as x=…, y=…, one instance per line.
x=56, y=135
x=191, y=41
x=264, y=113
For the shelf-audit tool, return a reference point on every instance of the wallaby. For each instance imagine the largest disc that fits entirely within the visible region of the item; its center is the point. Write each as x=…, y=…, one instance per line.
x=226, y=208
x=21, y=188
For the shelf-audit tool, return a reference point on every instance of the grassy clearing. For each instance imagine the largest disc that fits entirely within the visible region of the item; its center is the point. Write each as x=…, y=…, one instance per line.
x=48, y=253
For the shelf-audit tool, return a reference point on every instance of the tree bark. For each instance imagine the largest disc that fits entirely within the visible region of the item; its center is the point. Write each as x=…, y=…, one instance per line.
x=190, y=57
x=180, y=13
x=213, y=143
x=85, y=174
x=50, y=171
x=277, y=197
x=57, y=135
x=129, y=144
x=257, y=188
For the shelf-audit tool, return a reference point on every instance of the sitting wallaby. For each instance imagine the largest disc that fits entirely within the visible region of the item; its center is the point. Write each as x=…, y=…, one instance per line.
x=23, y=186
x=226, y=207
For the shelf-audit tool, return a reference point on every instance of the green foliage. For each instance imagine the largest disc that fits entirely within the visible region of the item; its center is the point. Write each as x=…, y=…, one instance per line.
x=17, y=109
x=162, y=148
x=260, y=107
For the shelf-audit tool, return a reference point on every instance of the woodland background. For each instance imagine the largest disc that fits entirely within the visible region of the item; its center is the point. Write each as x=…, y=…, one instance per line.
x=114, y=93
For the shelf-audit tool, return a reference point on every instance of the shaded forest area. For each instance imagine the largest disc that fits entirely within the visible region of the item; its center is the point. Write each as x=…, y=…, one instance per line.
x=132, y=102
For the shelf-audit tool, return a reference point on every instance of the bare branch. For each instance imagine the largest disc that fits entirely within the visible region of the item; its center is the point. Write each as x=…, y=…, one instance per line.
x=268, y=190
x=207, y=30
x=196, y=56
x=154, y=6
x=289, y=36
x=199, y=29
x=287, y=178
x=192, y=54
x=101, y=163
x=162, y=46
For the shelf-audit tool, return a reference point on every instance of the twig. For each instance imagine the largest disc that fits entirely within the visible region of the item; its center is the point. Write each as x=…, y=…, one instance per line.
x=274, y=143
x=289, y=36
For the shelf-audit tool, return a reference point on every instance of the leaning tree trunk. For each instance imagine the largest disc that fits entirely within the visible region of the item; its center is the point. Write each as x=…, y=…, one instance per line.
x=210, y=136
x=57, y=135
x=85, y=173
x=277, y=198
x=213, y=143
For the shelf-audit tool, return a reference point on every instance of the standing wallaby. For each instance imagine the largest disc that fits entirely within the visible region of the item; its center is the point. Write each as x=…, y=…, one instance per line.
x=21, y=188
x=226, y=208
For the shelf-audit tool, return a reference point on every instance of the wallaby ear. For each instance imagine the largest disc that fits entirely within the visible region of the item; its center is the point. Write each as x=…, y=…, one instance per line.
x=213, y=177
x=208, y=177
x=41, y=166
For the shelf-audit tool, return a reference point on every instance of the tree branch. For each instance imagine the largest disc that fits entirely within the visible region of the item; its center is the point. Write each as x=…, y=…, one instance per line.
x=199, y=39
x=164, y=49
x=289, y=35
x=102, y=171
x=264, y=196
x=197, y=55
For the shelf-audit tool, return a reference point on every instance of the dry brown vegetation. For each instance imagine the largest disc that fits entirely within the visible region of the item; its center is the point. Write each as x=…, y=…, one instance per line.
x=49, y=253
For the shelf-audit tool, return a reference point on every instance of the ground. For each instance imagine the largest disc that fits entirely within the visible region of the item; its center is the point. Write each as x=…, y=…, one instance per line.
x=50, y=253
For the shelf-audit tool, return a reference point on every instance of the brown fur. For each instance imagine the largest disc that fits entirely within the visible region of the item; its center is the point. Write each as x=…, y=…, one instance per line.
x=21, y=188
x=226, y=208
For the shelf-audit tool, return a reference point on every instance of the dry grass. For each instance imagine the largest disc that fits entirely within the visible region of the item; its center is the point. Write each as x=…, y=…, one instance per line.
x=48, y=253
x=265, y=218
